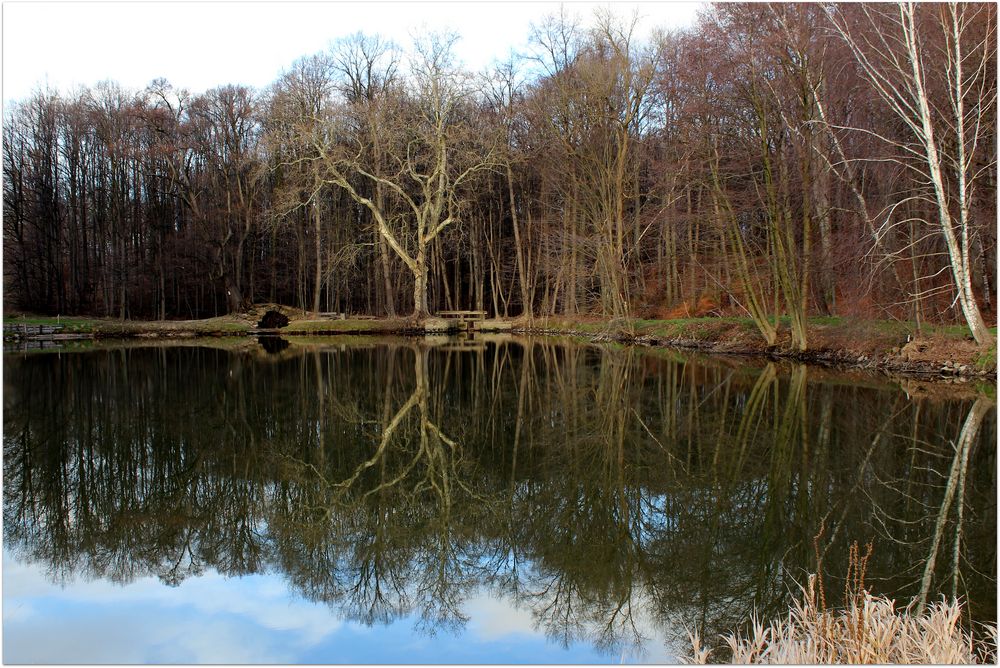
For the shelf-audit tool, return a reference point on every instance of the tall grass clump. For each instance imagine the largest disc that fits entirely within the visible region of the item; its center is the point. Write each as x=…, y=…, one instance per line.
x=868, y=629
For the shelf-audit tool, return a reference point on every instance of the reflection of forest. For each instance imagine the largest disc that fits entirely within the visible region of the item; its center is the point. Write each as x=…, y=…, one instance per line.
x=582, y=482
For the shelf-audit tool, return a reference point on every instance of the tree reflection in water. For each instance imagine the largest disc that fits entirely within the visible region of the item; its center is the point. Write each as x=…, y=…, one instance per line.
x=607, y=490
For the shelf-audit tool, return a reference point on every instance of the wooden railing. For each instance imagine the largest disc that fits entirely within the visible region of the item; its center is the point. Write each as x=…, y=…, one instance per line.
x=21, y=330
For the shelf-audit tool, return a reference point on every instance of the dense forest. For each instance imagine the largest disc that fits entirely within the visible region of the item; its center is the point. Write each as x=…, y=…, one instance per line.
x=786, y=159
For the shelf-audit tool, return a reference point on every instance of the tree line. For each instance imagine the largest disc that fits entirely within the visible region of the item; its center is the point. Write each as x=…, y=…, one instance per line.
x=771, y=160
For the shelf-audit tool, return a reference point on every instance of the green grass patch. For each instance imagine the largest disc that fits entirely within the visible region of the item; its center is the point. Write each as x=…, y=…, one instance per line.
x=825, y=320
x=987, y=359
x=589, y=327
x=988, y=390
x=69, y=324
x=196, y=326
x=344, y=326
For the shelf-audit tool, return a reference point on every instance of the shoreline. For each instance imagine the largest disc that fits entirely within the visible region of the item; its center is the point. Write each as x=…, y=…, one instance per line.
x=843, y=359
x=940, y=352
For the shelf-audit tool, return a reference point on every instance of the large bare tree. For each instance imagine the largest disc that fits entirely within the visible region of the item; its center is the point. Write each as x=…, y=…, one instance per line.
x=434, y=152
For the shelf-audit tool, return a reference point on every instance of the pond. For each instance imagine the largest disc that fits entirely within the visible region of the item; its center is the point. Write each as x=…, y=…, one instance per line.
x=496, y=500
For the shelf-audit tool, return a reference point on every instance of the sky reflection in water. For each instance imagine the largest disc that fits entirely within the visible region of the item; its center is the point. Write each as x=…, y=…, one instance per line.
x=252, y=619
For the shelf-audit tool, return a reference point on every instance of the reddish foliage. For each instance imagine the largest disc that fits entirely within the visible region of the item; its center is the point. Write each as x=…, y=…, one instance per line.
x=703, y=307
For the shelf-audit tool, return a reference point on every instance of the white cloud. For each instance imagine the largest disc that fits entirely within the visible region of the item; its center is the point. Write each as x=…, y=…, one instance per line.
x=209, y=619
x=108, y=637
x=497, y=619
x=493, y=619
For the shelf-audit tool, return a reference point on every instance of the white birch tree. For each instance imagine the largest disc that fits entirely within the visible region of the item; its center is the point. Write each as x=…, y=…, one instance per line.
x=892, y=45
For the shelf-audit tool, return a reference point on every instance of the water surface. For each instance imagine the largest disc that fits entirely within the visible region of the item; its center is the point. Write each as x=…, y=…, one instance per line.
x=502, y=500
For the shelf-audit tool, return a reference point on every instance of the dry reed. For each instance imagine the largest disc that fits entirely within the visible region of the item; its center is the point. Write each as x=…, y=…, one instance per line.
x=868, y=630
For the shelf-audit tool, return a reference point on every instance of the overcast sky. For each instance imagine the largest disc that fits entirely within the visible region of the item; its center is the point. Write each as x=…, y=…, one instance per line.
x=198, y=45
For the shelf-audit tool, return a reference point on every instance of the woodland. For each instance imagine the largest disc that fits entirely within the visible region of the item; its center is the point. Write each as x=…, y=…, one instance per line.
x=774, y=161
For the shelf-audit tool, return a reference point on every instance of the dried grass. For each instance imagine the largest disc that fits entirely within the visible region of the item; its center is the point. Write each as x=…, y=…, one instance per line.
x=869, y=630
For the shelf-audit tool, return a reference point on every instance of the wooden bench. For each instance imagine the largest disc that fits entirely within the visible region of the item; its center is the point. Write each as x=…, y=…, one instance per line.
x=462, y=316
x=465, y=319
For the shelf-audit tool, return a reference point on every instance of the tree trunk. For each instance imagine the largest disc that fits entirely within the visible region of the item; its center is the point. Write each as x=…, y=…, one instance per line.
x=319, y=258
x=234, y=296
x=420, y=310
x=390, y=301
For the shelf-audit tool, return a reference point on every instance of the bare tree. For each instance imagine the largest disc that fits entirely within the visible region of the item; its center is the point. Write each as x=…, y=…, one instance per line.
x=435, y=153
x=891, y=44
x=299, y=100
x=368, y=75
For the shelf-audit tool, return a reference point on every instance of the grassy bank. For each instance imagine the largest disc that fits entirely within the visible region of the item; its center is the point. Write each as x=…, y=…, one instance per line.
x=114, y=328
x=229, y=325
x=891, y=346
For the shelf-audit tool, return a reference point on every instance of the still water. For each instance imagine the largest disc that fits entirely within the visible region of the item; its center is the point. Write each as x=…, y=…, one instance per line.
x=499, y=501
